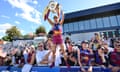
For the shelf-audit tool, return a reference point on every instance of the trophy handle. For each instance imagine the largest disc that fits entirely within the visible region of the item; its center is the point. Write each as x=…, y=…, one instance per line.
x=46, y=13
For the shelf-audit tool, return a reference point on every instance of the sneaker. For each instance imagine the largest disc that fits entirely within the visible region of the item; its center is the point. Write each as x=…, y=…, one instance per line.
x=90, y=69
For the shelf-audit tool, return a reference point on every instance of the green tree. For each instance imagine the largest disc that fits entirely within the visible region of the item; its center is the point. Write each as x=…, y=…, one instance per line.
x=40, y=29
x=6, y=38
x=13, y=32
x=26, y=36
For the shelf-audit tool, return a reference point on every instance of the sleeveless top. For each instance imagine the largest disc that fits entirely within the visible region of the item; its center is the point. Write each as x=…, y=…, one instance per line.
x=57, y=29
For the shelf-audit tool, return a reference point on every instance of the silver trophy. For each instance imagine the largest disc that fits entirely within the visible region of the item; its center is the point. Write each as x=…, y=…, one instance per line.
x=53, y=6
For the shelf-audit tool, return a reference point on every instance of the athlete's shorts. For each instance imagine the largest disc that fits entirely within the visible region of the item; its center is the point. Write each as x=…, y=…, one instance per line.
x=57, y=39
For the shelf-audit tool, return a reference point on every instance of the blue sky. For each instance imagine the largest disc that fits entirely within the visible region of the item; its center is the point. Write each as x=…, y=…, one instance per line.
x=27, y=14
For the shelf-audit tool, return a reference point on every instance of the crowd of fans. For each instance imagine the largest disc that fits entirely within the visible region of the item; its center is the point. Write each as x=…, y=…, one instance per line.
x=94, y=52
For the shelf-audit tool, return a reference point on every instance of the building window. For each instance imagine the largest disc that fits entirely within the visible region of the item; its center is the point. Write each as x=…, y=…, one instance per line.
x=99, y=23
x=87, y=24
x=105, y=34
x=81, y=25
x=118, y=18
x=116, y=33
x=106, y=22
x=93, y=24
x=71, y=26
x=65, y=27
x=110, y=34
x=76, y=25
x=113, y=21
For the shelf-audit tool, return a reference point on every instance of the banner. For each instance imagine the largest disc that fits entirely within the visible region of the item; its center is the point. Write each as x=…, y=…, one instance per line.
x=54, y=69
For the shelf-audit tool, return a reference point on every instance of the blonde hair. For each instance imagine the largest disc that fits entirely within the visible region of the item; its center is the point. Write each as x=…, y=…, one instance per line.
x=98, y=36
